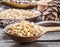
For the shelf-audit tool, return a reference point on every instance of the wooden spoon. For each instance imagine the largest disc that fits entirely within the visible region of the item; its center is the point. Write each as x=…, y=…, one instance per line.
x=18, y=5
x=23, y=39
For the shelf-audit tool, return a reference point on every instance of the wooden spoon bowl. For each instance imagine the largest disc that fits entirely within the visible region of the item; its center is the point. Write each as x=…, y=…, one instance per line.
x=23, y=6
x=22, y=39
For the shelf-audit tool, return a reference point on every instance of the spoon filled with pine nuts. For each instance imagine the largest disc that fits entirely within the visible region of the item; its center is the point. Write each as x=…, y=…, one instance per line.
x=26, y=32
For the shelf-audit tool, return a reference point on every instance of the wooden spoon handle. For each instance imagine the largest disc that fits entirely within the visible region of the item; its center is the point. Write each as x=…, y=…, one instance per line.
x=55, y=28
x=46, y=29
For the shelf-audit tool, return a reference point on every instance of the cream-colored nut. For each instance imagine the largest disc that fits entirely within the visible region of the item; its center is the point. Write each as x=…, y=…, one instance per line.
x=24, y=34
x=9, y=31
x=31, y=34
x=20, y=34
x=36, y=34
x=28, y=34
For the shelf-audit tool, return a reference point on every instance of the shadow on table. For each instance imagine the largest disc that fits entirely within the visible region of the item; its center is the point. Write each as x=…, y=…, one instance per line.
x=28, y=45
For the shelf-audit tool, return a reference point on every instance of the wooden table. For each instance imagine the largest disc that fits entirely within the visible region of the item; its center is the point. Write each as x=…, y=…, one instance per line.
x=50, y=39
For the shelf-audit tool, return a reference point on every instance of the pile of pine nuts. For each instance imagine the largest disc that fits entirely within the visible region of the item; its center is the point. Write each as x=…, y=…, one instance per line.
x=24, y=29
x=18, y=13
